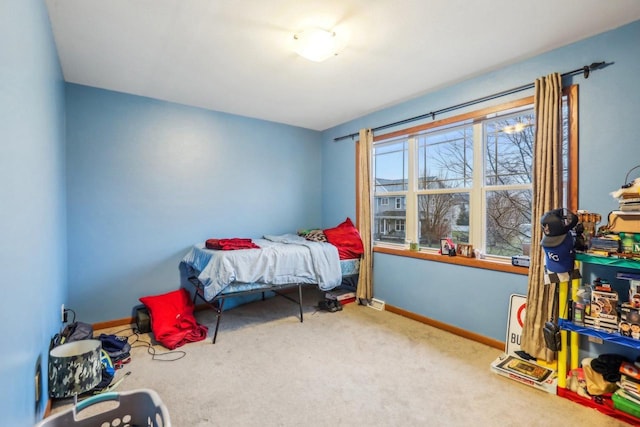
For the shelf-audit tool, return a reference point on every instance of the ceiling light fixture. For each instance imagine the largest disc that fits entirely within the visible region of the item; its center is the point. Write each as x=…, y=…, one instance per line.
x=316, y=44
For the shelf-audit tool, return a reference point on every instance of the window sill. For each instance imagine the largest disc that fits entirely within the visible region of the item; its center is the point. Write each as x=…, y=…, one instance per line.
x=457, y=260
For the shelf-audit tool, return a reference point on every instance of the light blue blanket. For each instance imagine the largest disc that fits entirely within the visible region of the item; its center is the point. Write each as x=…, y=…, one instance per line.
x=281, y=260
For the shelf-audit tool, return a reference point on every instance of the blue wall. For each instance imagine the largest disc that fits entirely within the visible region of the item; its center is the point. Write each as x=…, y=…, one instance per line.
x=32, y=204
x=609, y=107
x=146, y=179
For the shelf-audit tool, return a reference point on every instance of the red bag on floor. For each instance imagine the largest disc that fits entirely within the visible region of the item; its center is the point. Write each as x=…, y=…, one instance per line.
x=172, y=320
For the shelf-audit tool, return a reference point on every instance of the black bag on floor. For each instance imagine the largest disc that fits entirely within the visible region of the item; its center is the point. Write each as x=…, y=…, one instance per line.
x=75, y=331
x=116, y=347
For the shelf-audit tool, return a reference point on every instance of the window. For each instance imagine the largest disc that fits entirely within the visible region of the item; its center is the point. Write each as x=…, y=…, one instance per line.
x=468, y=178
x=391, y=180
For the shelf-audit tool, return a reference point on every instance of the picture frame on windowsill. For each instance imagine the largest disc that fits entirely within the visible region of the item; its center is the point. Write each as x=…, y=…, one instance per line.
x=465, y=250
x=446, y=247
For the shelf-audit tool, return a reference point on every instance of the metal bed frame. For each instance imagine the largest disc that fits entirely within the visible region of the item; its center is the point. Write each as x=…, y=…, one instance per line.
x=217, y=303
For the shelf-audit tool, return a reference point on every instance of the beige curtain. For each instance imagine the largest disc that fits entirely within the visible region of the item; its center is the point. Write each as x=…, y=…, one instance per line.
x=547, y=195
x=364, y=291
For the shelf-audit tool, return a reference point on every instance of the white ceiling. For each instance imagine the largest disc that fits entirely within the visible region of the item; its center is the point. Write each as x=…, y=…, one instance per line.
x=235, y=56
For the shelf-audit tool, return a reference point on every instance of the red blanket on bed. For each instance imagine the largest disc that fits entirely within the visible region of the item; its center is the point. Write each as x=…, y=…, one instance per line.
x=172, y=320
x=230, y=244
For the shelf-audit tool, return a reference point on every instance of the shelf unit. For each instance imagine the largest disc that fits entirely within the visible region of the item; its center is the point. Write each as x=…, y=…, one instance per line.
x=615, y=338
x=574, y=331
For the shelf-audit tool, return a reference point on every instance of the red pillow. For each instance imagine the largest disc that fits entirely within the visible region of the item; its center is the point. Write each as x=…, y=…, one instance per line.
x=172, y=320
x=347, y=239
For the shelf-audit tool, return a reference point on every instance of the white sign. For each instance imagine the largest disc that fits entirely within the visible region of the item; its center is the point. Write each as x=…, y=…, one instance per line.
x=517, y=310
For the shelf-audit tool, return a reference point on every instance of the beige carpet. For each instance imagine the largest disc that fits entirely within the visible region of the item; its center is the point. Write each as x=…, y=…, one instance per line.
x=356, y=367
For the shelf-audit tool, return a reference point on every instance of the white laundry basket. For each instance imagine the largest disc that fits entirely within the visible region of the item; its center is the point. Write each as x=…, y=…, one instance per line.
x=141, y=407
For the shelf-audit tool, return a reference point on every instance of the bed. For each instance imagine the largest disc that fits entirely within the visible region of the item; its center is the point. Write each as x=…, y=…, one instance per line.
x=280, y=264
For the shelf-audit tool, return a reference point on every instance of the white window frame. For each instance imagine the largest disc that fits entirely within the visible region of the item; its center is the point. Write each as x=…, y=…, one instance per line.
x=477, y=193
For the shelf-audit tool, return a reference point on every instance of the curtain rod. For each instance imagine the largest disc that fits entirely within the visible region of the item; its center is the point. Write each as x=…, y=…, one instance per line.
x=584, y=70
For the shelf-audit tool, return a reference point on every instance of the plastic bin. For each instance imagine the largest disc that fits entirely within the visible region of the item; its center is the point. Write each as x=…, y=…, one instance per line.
x=141, y=407
x=625, y=405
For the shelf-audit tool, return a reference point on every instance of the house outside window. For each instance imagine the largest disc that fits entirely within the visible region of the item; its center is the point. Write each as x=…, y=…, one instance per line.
x=469, y=180
x=392, y=161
